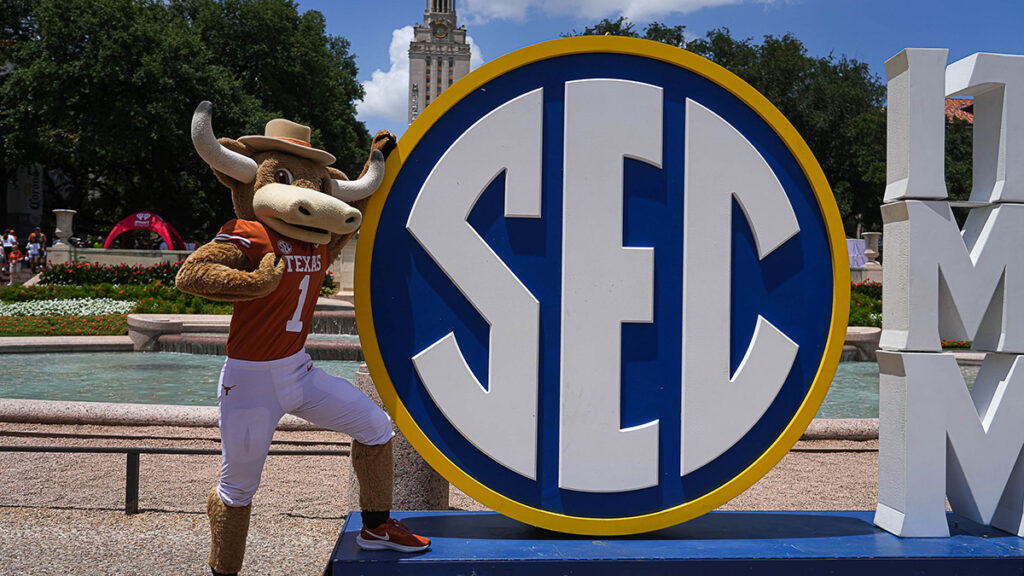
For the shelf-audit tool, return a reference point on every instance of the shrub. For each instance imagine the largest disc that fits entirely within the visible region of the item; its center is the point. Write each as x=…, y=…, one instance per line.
x=81, y=273
x=865, y=310
x=86, y=273
x=328, y=286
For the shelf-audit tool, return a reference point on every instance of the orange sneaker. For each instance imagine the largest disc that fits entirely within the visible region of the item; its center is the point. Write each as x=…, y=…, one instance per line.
x=391, y=535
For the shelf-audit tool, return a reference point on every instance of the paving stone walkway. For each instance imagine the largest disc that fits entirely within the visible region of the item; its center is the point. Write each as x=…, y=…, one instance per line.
x=63, y=513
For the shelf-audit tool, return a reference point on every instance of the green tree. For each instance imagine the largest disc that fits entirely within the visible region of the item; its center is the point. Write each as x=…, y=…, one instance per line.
x=868, y=151
x=656, y=31
x=15, y=25
x=959, y=159
x=104, y=91
x=290, y=63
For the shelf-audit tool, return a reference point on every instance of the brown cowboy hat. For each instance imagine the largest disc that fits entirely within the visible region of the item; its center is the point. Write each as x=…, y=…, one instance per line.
x=287, y=136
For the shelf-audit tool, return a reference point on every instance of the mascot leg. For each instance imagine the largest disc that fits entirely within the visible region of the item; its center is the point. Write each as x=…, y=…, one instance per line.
x=375, y=469
x=336, y=404
x=229, y=527
x=249, y=412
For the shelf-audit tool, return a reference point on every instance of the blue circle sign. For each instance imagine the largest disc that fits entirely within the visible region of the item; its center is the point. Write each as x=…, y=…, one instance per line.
x=603, y=289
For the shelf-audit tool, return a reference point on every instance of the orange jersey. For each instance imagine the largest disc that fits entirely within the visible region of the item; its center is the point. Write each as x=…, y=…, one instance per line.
x=276, y=325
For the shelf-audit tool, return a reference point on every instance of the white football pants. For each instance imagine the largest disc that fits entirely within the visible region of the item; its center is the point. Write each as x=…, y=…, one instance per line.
x=255, y=395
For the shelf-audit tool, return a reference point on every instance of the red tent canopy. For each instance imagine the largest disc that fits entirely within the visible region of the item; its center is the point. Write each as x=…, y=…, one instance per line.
x=147, y=221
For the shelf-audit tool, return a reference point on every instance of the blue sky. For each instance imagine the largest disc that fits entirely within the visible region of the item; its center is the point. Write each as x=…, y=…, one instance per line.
x=868, y=30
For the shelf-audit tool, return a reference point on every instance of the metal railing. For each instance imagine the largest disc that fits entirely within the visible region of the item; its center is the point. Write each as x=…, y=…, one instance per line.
x=131, y=483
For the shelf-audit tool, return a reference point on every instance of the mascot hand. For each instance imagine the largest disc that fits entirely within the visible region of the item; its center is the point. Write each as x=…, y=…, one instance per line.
x=270, y=271
x=385, y=142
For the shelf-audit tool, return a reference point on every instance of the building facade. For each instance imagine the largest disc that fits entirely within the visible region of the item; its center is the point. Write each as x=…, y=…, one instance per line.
x=438, y=55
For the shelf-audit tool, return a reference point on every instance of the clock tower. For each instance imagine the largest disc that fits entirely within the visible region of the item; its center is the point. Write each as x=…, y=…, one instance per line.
x=438, y=55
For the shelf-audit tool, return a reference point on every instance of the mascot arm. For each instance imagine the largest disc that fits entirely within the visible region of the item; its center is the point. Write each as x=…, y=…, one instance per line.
x=220, y=271
x=385, y=142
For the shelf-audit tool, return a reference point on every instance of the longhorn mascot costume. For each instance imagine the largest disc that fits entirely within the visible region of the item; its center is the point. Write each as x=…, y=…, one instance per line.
x=294, y=215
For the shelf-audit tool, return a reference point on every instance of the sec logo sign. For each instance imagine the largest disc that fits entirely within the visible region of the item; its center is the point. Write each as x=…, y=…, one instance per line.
x=604, y=287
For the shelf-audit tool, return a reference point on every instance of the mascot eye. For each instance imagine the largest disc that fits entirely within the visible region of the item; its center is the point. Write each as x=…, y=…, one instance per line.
x=283, y=176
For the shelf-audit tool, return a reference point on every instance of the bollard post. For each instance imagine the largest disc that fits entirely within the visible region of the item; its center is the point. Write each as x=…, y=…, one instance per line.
x=417, y=485
x=131, y=484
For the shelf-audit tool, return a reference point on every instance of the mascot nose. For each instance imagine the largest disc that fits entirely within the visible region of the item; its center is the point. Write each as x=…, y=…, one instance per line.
x=304, y=211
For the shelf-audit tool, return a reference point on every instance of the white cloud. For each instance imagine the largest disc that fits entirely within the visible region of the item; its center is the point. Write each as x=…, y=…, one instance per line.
x=387, y=93
x=476, y=57
x=637, y=10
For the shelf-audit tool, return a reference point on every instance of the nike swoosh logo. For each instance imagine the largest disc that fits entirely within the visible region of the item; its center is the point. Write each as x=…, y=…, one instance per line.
x=385, y=537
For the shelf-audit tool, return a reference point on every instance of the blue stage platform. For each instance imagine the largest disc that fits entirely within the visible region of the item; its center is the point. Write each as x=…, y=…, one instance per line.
x=719, y=543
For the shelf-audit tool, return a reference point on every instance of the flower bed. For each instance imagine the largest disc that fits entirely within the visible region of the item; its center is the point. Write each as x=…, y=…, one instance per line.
x=865, y=311
x=155, y=298
x=868, y=288
x=69, y=307
x=88, y=274
x=956, y=345
x=866, y=303
x=80, y=273
x=106, y=325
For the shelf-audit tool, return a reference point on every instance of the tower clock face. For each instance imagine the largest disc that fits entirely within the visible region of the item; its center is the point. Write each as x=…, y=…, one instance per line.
x=440, y=30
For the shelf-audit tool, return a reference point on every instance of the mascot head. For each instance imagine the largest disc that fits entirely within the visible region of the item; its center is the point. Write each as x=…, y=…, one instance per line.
x=282, y=181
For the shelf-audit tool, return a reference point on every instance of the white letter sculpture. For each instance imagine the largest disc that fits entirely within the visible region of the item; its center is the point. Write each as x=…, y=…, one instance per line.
x=936, y=439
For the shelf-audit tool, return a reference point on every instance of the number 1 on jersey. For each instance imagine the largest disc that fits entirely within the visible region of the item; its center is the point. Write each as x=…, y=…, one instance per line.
x=295, y=324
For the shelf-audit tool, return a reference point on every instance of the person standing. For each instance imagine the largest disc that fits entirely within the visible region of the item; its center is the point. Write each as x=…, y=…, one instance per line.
x=37, y=237
x=32, y=249
x=14, y=259
x=10, y=242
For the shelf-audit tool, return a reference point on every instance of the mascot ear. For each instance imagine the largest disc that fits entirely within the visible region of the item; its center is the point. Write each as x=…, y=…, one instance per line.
x=336, y=174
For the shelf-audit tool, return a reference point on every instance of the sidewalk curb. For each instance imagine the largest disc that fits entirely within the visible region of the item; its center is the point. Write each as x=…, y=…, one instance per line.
x=112, y=414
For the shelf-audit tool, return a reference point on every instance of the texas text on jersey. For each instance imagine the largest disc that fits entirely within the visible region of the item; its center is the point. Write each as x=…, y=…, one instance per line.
x=276, y=325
